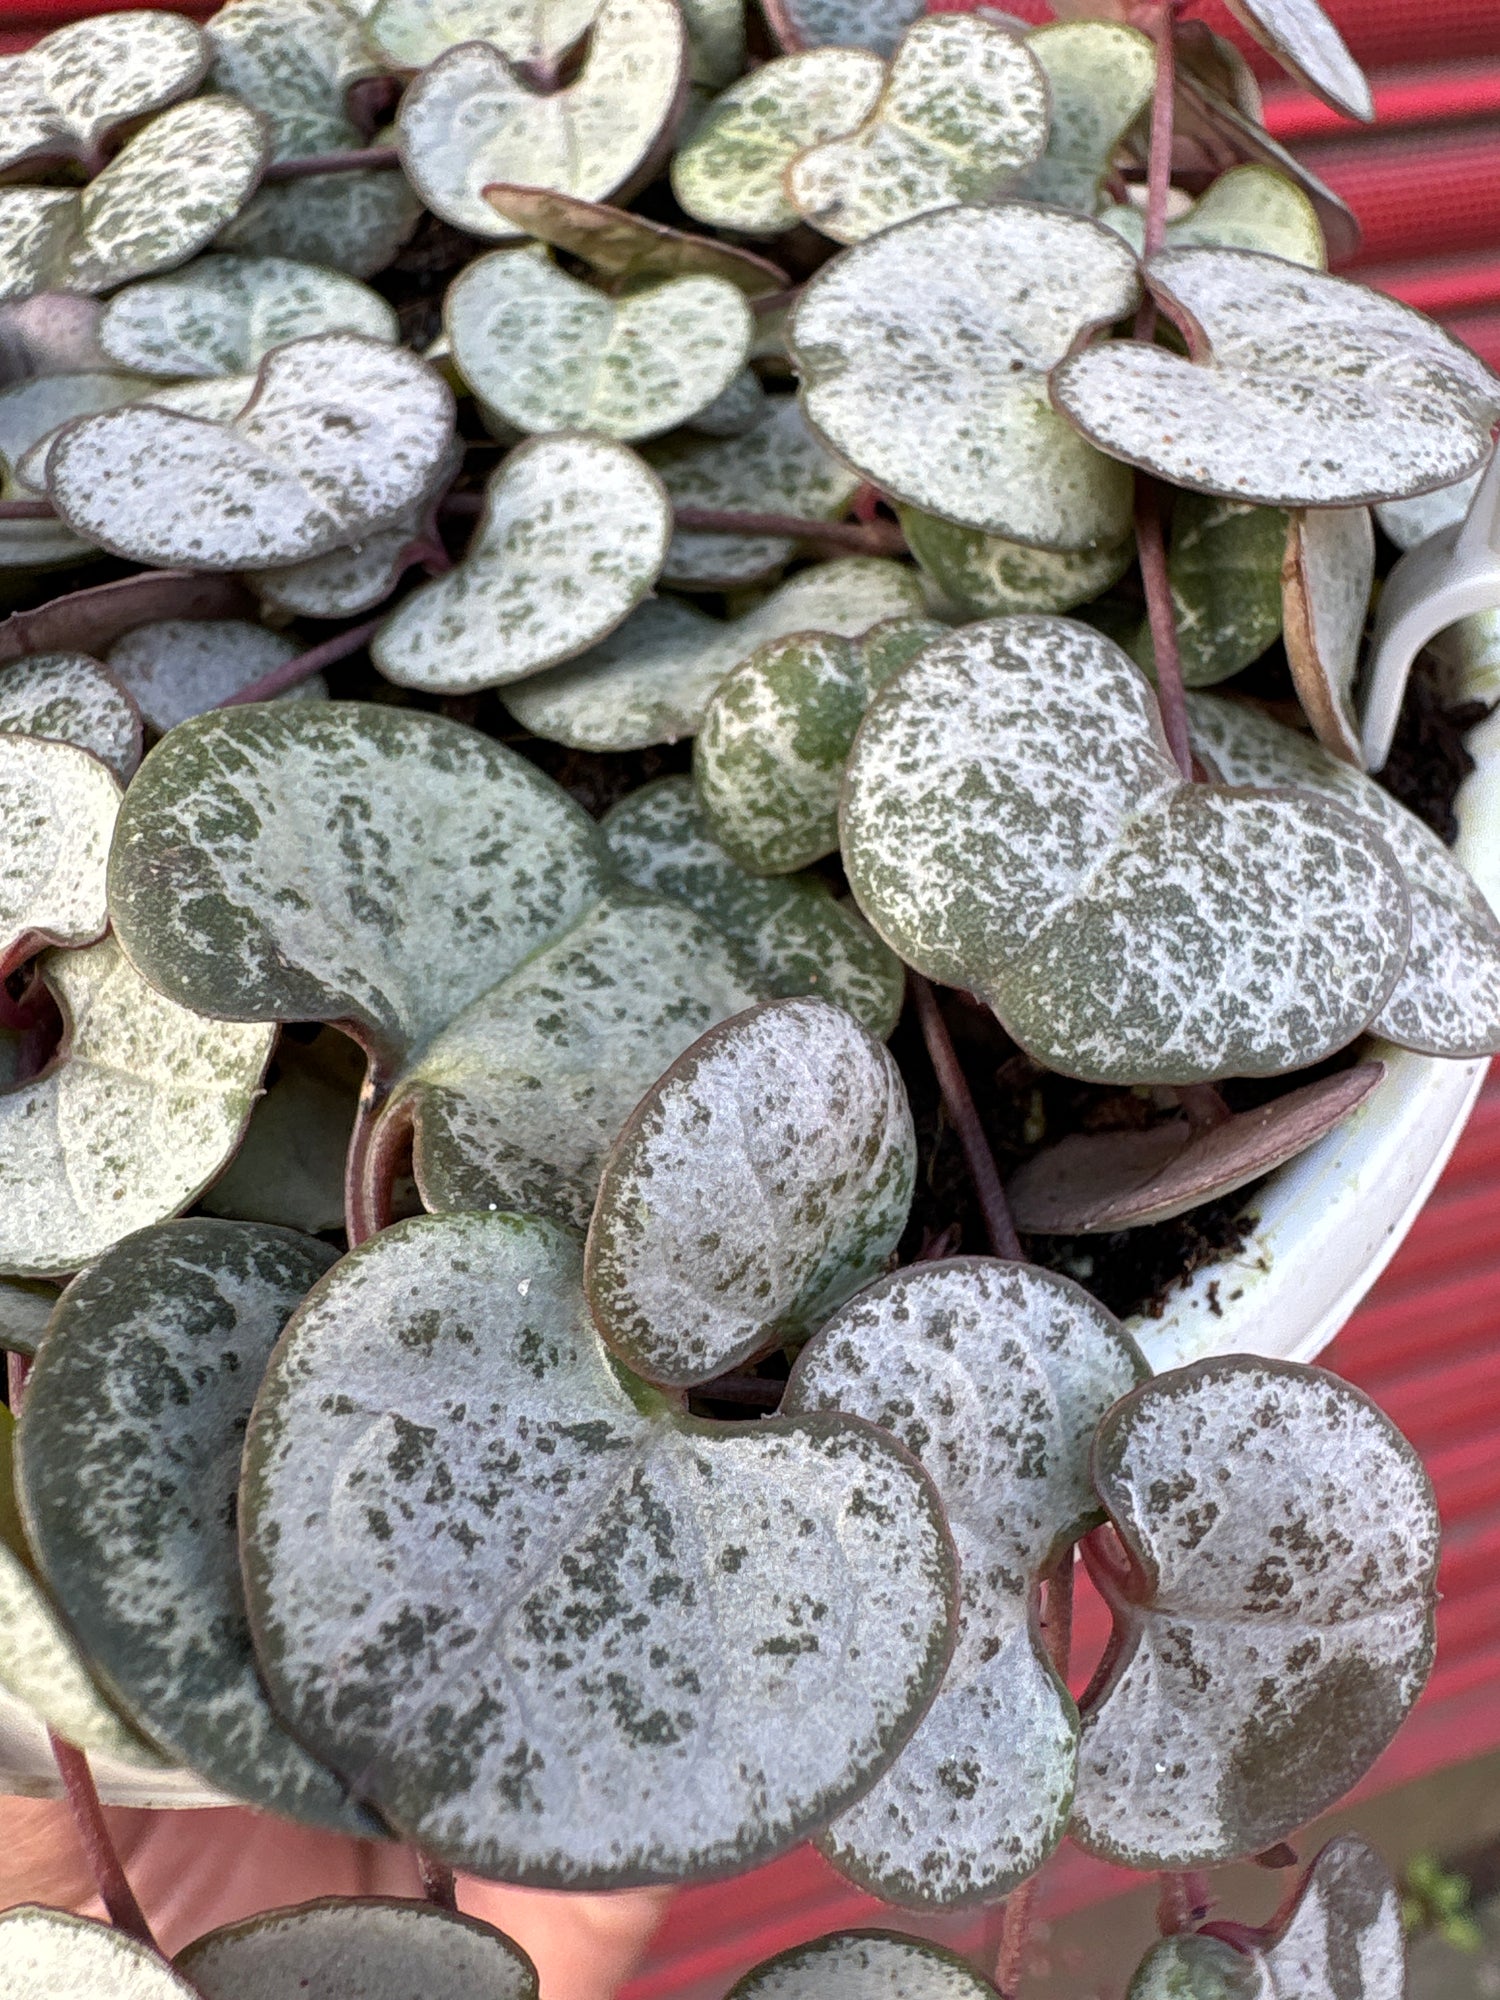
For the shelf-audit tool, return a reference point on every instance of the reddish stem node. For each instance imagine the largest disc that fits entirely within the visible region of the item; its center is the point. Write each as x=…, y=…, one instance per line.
x=292, y=673
x=958, y=1102
x=438, y=1884
x=115, y=1892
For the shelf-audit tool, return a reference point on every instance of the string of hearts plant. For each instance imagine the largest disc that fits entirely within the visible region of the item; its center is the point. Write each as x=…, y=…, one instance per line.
x=465, y=1384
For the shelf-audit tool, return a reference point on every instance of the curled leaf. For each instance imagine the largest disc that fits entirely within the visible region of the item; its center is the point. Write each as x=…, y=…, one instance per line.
x=1408, y=522
x=59, y=804
x=626, y=248
x=1303, y=39
x=1326, y=579
x=71, y=698
x=1100, y=75
x=985, y=574
x=179, y=667
x=1275, y=1621
x=64, y=95
x=994, y=1375
x=732, y=1575
x=982, y=303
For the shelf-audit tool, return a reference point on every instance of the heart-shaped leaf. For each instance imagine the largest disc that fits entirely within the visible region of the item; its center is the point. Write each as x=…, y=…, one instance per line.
x=289, y=1169
x=1343, y=1936
x=1303, y=39
x=355, y=222
x=343, y=433
x=1013, y=823
x=791, y=1118
x=410, y=34
x=770, y=754
x=774, y=466
x=64, y=95
x=731, y=172
x=25, y=1307
x=1093, y=1182
x=1273, y=1621
x=31, y=415
x=165, y=195
x=629, y=249
x=1225, y=573
x=50, y=1953
x=572, y=537
x=362, y=1949
x=1100, y=75
x=239, y=885
x=962, y=115
x=1327, y=577
x=1447, y=1000
x=59, y=805
x=515, y=1104
x=985, y=574
x=142, y=1109
x=860, y=24
x=223, y=315
x=658, y=1594
x=1408, y=522
x=70, y=698
x=177, y=667
x=1310, y=391
x=1254, y=207
x=799, y=940
x=994, y=1375
x=471, y=119
x=545, y=352
x=40, y=1664
x=854, y=1965
x=981, y=303
x=130, y=1500
x=294, y=60
x=652, y=681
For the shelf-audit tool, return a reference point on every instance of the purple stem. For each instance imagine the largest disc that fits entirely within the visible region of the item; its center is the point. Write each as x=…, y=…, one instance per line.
x=292, y=673
x=115, y=1892
x=332, y=163
x=958, y=1102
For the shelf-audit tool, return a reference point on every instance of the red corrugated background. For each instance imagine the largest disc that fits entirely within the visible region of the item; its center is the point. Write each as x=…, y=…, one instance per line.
x=1425, y=184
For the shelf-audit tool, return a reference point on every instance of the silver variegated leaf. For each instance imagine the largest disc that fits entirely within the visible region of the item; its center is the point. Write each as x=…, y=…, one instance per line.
x=985, y=574
x=410, y=34
x=651, y=681
x=147, y=1103
x=59, y=804
x=1307, y=390
x=731, y=172
x=545, y=352
x=31, y=414
x=355, y=222
x=342, y=434
x=863, y=1965
x=981, y=303
x=471, y=118
x=289, y=1169
x=164, y=196
x=572, y=537
x=515, y=1104
x=223, y=315
x=365, y=1948
x=1100, y=75
x=1303, y=39
x=1327, y=577
x=338, y=861
x=72, y=698
x=994, y=1375
x=961, y=117
x=64, y=95
x=491, y=1583
x=50, y=1953
x=1447, y=999
x=1013, y=823
x=1274, y=1616
x=294, y=60
x=1224, y=569
x=792, y=1119
x=789, y=927
x=130, y=1499
x=177, y=667
x=1408, y=522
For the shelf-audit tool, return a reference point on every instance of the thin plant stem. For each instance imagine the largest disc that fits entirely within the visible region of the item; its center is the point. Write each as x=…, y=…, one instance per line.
x=353, y=162
x=1159, y=169
x=438, y=1884
x=377, y=1148
x=292, y=673
x=958, y=1102
x=17, y=1368
x=1015, y=1924
x=115, y=1892
x=1184, y=1900
x=27, y=510
x=874, y=538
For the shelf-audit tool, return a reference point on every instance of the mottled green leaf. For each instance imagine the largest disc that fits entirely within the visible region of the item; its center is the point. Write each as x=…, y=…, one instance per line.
x=1408, y=522
x=1100, y=76
x=626, y=248
x=177, y=667
x=994, y=1375
x=1327, y=578
x=1224, y=568
x=1303, y=40
x=732, y=170
x=51, y=1955
x=790, y=928
x=863, y=1965
x=31, y=414
x=984, y=574
x=337, y=861
x=1192, y=1967
x=652, y=680
x=146, y=1104
x=342, y=434
x=546, y=352
x=962, y=116
x=515, y=1104
x=1014, y=823
x=362, y=1949
x=223, y=315
x=736, y=409
x=410, y=34
x=59, y=804
x=71, y=698
x=981, y=303
x=1447, y=999
x=493, y=1584
x=1255, y=208
x=355, y=223
x=1310, y=391
x=165, y=195
x=1274, y=1623
x=790, y=1119
x=571, y=539
x=24, y=1309
x=66, y=93
x=294, y=60
x=290, y=1166
x=129, y=1450
x=472, y=119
